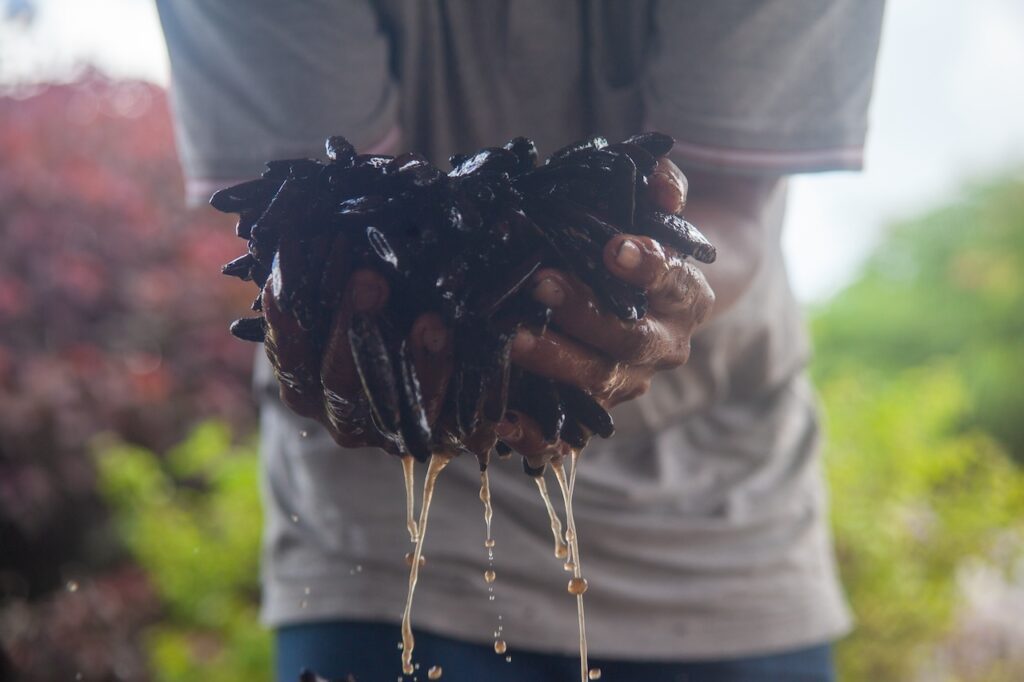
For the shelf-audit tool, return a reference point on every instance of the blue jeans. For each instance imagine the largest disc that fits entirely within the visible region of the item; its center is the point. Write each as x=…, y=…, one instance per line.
x=369, y=651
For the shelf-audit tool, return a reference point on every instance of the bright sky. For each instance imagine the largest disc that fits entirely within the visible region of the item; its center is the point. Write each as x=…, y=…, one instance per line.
x=948, y=106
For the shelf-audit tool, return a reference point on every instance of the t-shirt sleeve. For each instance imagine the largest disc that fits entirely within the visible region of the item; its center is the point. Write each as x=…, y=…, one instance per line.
x=763, y=86
x=253, y=80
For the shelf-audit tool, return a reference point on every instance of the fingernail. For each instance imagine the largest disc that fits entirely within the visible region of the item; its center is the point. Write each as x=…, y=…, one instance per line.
x=550, y=292
x=365, y=296
x=524, y=341
x=629, y=255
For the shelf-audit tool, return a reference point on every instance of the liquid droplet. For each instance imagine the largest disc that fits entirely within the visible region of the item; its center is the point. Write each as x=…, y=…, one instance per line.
x=435, y=672
x=359, y=568
x=569, y=566
x=594, y=674
x=489, y=543
x=72, y=586
x=500, y=646
x=295, y=518
x=400, y=646
x=408, y=559
x=489, y=576
x=508, y=659
x=578, y=585
x=303, y=434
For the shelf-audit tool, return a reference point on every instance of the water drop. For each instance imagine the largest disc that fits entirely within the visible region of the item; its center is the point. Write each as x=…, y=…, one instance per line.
x=489, y=576
x=569, y=566
x=303, y=434
x=306, y=590
x=435, y=672
x=72, y=586
x=578, y=586
x=295, y=518
x=594, y=674
x=500, y=646
x=359, y=568
x=508, y=659
x=489, y=543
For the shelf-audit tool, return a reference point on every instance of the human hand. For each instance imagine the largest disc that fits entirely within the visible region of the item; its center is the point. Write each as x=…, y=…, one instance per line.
x=327, y=386
x=611, y=359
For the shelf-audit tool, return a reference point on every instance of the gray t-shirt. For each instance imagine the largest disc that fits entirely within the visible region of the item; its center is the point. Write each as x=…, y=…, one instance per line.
x=703, y=522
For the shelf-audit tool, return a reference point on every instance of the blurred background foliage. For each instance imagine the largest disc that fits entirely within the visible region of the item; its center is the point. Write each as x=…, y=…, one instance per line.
x=948, y=284
x=135, y=558
x=191, y=520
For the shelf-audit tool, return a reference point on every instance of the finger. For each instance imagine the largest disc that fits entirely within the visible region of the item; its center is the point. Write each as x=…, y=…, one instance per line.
x=343, y=398
x=667, y=187
x=433, y=358
x=577, y=313
x=524, y=435
x=293, y=355
x=676, y=290
x=555, y=356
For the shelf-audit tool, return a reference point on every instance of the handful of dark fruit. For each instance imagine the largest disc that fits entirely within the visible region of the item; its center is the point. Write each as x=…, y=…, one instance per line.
x=461, y=244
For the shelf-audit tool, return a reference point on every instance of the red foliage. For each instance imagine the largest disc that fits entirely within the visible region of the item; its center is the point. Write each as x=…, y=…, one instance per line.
x=112, y=312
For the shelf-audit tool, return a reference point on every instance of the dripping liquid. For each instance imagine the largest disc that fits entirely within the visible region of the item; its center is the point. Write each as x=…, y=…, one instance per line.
x=438, y=462
x=577, y=585
x=489, y=574
x=485, y=497
x=561, y=551
x=410, y=498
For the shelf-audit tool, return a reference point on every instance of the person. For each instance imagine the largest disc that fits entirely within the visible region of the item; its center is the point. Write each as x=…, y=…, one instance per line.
x=703, y=521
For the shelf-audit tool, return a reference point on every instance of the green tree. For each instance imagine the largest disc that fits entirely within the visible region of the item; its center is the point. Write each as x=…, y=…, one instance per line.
x=913, y=496
x=192, y=520
x=950, y=284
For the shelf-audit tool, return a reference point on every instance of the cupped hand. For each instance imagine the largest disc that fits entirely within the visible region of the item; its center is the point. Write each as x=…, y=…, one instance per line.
x=611, y=359
x=326, y=385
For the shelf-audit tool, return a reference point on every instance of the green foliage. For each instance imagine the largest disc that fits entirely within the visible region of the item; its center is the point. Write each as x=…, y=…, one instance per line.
x=913, y=496
x=919, y=363
x=191, y=519
x=946, y=284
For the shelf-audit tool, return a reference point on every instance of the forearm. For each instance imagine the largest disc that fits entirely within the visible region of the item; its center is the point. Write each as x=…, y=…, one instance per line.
x=731, y=212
